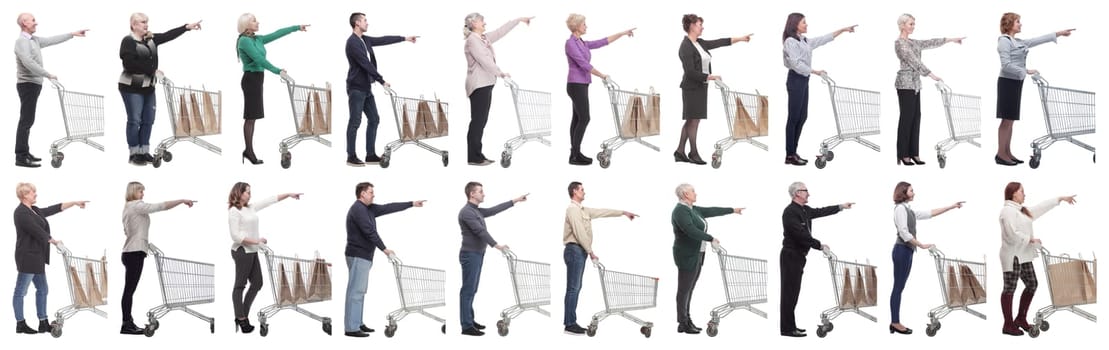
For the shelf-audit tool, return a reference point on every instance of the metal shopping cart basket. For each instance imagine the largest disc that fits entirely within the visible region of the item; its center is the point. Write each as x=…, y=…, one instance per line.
x=962, y=283
x=1067, y=113
x=964, y=121
x=190, y=119
x=857, y=114
x=744, y=286
x=296, y=282
x=635, y=114
x=428, y=117
x=184, y=283
x=88, y=288
x=83, y=115
x=311, y=116
x=625, y=292
x=419, y=288
x=845, y=277
x=533, y=113
x=1072, y=282
x=531, y=284
x=744, y=125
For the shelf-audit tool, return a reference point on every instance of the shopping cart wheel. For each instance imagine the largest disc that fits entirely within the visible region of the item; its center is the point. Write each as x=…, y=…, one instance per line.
x=712, y=329
x=56, y=162
x=646, y=331
x=506, y=159
x=444, y=329
x=591, y=331
x=1034, y=332
x=932, y=329
x=385, y=160
x=212, y=327
x=264, y=329
x=157, y=163
x=55, y=330
x=286, y=159
x=1034, y=162
x=502, y=328
x=166, y=156
x=821, y=162
x=148, y=332
x=391, y=330
x=942, y=160
x=327, y=327
x=1044, y=326
x=821, y=332
x=446, y=158
x=605, y=158
x=717, y=158
x=153, y=325
x=59, y=155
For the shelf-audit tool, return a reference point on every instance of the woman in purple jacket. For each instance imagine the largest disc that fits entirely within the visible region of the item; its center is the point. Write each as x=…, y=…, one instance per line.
x=577, y=82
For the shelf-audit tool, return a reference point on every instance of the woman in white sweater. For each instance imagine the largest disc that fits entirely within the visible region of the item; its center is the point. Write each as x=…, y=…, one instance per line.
x=136, y=226
x=481, y=74
x=242, y=219
x=1018, y=248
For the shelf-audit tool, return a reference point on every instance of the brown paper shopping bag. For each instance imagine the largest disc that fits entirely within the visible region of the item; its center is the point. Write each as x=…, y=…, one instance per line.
x=425, y=122
x=1090, y=283
x=972, y=290
x=104, y=276
x=871, y=285
x=320, y=283
x=632, y=113
x=861, y=299
x=650, y=118
x=764, y=116
x=321, y=116
x=1067, y=283
x=182, y=118
x=954, y=293
x=742, y=127
x=442, y=125
x=80, y=299
x=847, y=295
x=211, y=117
x=198, y=128
x=305, y=118
x=284, y=293
x=300, y=294
x=406, y=126
x=95, y=298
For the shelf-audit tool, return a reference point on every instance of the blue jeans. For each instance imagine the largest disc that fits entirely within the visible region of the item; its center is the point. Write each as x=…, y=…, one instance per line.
x=902, y=263
x=358, y=279
x=362, y=102
x=574, y=256
x=22, y=281
x=140, y=117
x=471, y=275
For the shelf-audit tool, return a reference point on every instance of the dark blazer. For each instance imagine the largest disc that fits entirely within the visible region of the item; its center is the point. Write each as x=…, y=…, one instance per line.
x=689, y=232
x=797, y=225
x=694, y=77
x=32, y=237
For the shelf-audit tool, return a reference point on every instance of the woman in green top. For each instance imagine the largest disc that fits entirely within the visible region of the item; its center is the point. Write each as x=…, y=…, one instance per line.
x=690, y=240
x=251, y=49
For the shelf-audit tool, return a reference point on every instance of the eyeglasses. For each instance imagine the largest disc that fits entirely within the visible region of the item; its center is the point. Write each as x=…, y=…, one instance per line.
x=803, y=190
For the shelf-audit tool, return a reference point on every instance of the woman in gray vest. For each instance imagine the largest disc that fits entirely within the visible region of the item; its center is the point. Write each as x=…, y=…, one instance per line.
x=904, y=218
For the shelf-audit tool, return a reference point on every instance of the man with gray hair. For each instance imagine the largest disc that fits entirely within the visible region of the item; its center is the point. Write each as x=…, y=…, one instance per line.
x=797, y=225
x=29, y=74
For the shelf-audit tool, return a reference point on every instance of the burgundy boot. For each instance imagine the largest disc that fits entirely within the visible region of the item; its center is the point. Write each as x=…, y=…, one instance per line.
x=1009, y=328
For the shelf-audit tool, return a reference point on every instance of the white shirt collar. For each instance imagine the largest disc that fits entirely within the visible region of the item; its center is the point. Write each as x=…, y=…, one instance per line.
x=1010, y=203
x=25, y=35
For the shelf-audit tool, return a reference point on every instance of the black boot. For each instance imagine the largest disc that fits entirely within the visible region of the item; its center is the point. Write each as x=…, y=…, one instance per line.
x=22, y=327
x=243, y=325
x=129, y=327
x=44, y=326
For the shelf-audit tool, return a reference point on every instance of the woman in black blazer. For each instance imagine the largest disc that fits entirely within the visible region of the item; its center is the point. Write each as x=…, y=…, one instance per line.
x=32, y=254
x=697, y=66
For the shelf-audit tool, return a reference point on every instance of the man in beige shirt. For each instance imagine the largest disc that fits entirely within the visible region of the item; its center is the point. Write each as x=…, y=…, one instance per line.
x=577, y=236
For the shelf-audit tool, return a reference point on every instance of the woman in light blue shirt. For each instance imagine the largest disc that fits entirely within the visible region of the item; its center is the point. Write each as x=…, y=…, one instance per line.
x=797, y=56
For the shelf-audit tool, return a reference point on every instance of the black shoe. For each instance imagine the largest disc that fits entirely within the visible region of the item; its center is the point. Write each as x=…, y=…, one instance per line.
x=574, y=329
x=33, y=158
x=357, y=334
x=26, y=162
x=365, y=329
x=473, y=331
x=918, y=161
x=906, y=331
x=478, y=325
x=801, y=330
x=482, y=162
x=578, y=159
x=582, y=156
x=372, y=159
x=243, y=325
x=136, y=159
x=794, y=333
x=253, y=160
x=687, y=329
x=680, y=157
x=905, y=161
x=355, y=162
x=149, y=158
x=130, y=328
x=1004, y=162
x=22, y=327
x=696, y=159
x=45, y=326
x=803, y=160
x=1017, y=160
x=794, y=160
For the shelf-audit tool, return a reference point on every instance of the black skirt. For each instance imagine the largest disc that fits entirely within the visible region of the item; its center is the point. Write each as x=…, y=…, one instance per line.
x=253, y=107
x=1008, y=98
x=695, y=103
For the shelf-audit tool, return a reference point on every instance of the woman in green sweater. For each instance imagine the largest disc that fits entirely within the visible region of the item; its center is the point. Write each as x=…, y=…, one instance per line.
x=251, y=49
x=690, y=240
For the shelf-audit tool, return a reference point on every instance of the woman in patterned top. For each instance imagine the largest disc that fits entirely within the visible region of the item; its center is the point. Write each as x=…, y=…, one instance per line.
x=908, y=87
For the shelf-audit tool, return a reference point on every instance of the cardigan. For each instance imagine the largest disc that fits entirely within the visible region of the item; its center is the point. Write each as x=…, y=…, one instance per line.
x=28, y=56
x=481, y=62
x=694, y=75
x=32, y=237
x=689, y=232
x=140, y=60
x=1016, y=232
x=252, y=50
x=578, y=56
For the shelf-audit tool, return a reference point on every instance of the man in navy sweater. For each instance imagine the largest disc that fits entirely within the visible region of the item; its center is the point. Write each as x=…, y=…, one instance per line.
x=361, y=75
x=362, y=238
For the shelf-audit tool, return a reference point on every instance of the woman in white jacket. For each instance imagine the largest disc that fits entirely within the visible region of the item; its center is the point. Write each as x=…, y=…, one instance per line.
x=1018, y=248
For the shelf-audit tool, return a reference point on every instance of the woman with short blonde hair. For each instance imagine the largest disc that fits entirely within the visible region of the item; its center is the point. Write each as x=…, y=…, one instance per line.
x=578, y=55
x=251, y=49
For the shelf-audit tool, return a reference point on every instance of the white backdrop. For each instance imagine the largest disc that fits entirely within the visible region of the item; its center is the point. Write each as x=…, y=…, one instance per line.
x=639, y=180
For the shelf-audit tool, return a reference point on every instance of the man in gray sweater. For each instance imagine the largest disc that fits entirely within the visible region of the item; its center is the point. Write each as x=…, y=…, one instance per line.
x=29, y=74
x=474, y=239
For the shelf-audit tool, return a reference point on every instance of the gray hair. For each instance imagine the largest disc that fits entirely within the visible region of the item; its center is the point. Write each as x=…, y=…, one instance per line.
x=904, y=18
x=681, y=190
x=244, y=22
x=794, y=188
x=22, y=189
x=574, y=21
x=468, y=27
x=19, y=20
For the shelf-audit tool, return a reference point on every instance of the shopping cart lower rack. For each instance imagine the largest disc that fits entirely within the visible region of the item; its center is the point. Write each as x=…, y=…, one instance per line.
x=83, y=115
x=962, y=284
x=419, y=288
x=184, y=283
x=417, y=120
x=288, y=277
x=1072, y=282
x=857, y=114
x=531, y=285
x=190, y=117
x=625, y=292
x=747, y=119
x=88, y=288
x=311, y=116
x=744, y=286
x=849, y=298
x=636, y=115
x=964, y=121
x=533, y=113
x=1067, y=113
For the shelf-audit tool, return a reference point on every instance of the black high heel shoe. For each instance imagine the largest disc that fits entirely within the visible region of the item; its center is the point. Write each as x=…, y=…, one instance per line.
x=243, y=325
x=906, y=331
x=680, y=158
x=918, y=161
x=905, y=161
x=696, y=159
x=251, y=157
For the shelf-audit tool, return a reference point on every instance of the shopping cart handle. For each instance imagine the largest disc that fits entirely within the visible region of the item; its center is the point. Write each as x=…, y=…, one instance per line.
x=389, y=90
x=720, y=84
x=510, y=83
x=153, y=249
x=394, y=259
x=265, y=249
x=827, y=78
x=935, y=252
x=1044, y=251
x=62, y=249
x=508, y=254
x=940, y=85
x=1039, y=79
x=611, y=84
x=166, y=81
x=716, y=247
x=597, y=264
x=285, y=78
x=828, y=254
x=57, y=84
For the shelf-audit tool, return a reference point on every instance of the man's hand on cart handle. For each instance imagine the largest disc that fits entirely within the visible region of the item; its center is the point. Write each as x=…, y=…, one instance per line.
x=502, y=247
x=389, y=252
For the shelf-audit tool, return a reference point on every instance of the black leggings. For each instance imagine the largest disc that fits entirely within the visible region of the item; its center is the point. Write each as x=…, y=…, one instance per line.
x=247, y=268
x=579, y=96
x=480, y=100
x=908, y=124
x=132, y=264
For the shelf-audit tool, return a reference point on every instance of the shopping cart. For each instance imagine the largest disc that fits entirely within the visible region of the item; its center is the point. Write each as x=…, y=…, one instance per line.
x=419, y=288
x=88, y=288
x=1069, y=287
x=311, y=106
x=841, y=270
x=857, y=114
x=625, y=292
x=286, y=272
x=184, y=283
x=1067, y=113
x=962, y=283
x=531, y=284
x=750, y=104
x=964, y=121
x=175, y=98
x=406, y=107
x=83, y=115
x=533, y=113
x=744, y=286
x=620, y=102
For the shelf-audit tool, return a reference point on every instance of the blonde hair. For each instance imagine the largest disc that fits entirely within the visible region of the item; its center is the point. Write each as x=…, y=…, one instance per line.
x=468, y=27
x=903, y=19
x=23, y=188
x=138, y=17
x=244, y=22
x=133, y=189
x=574, y=21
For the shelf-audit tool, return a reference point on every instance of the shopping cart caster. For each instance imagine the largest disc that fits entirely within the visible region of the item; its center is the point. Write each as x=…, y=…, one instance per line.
x=591, y=331
x=167, y=157
x=55, y=330
x=444, y=329
x=646, y=331
x=932, y=329
x=327, y=327
x=605, y=158
x=56, y=160
x=148, y=332
x=1034, y=162
x=712, y=329
x=391, y=330
x=1044, y=326
x=212, y=327
x=153, y=325
x=502, y=328
x=264, y=329
x=157, y=163
x=1034, y=332
x=506, y=159
x=446, y=158
x=385, y=160
x=286, y=159
x=821, y=162
x=942, y=159
x=717, y=158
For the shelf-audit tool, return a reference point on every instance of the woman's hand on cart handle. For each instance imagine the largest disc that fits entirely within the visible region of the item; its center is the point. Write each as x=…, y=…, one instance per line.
x=1033, y=72
x=1035, y=241
x=820, y=72
x=928, y=246
x=1068, y=199
x=714, y=77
